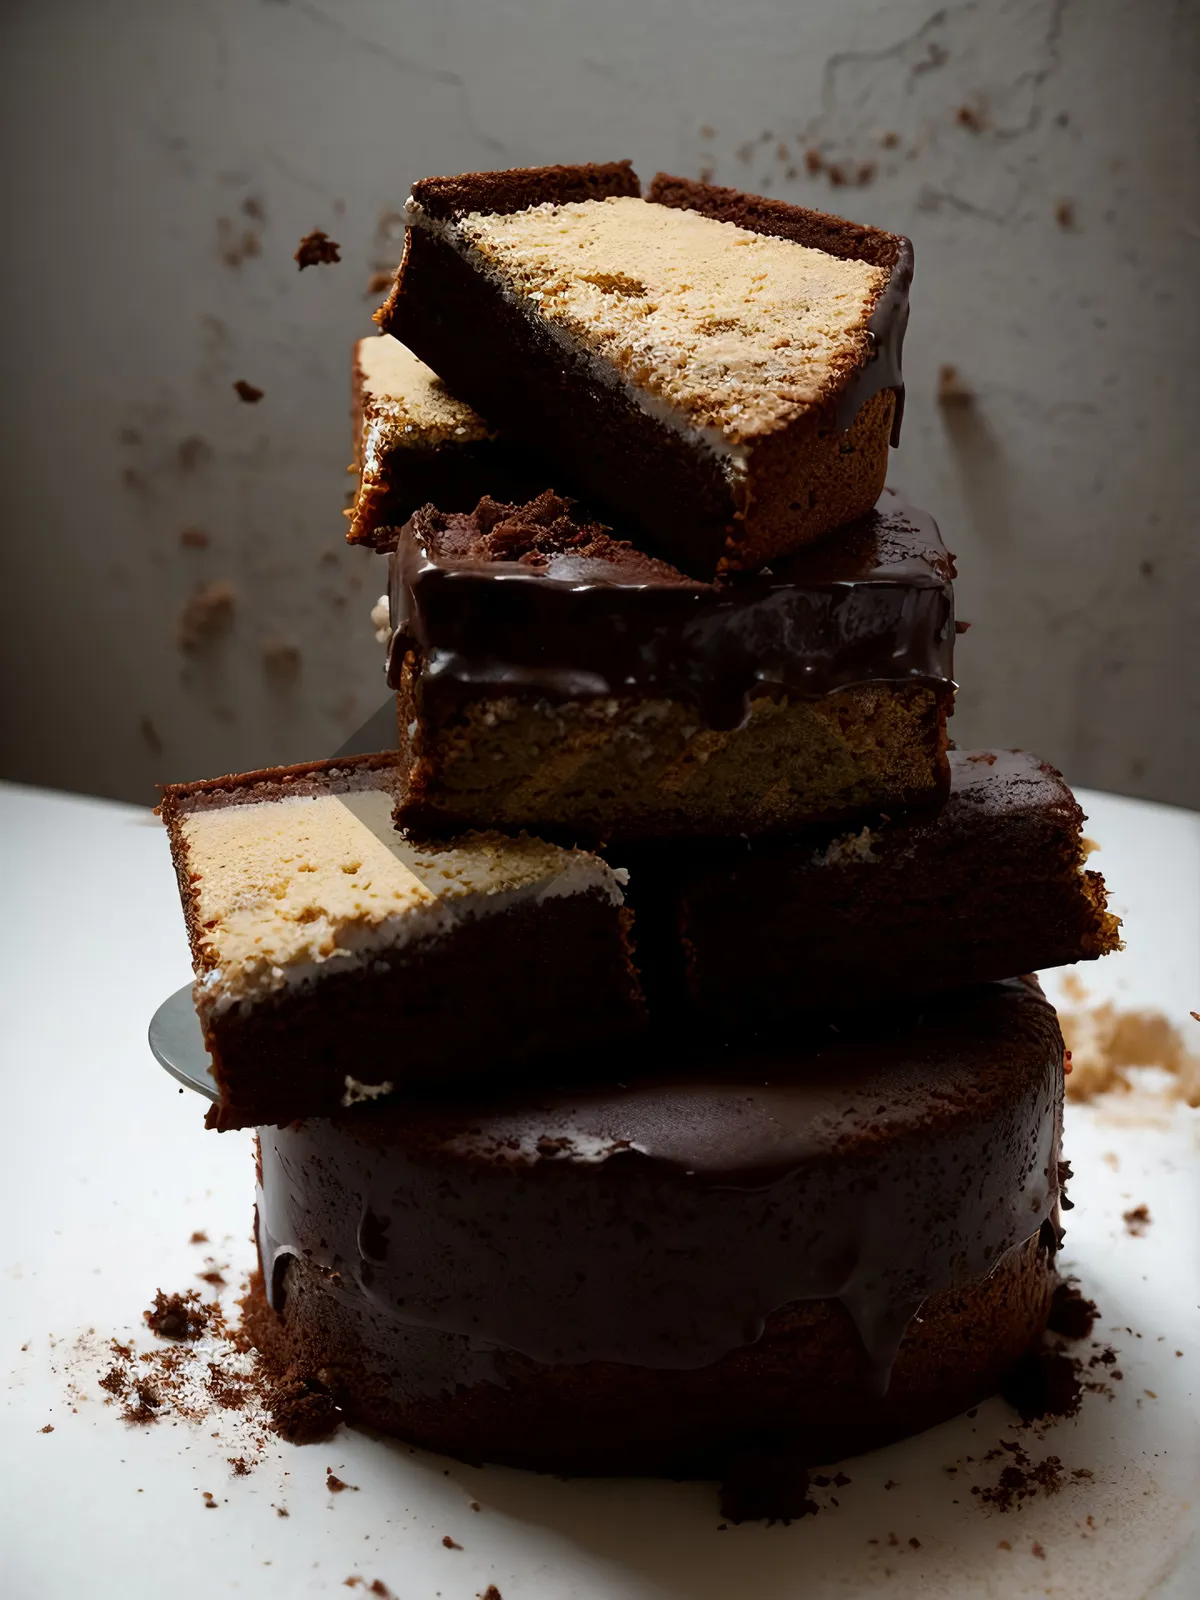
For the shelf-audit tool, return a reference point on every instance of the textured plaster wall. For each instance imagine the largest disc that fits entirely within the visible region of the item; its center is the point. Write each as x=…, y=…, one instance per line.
x=164, y=157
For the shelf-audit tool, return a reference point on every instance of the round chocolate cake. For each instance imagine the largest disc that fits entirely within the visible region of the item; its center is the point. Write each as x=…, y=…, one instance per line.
x=826, y=1245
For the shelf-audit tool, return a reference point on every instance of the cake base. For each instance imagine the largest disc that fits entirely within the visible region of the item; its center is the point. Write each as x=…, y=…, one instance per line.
x=806, y=1382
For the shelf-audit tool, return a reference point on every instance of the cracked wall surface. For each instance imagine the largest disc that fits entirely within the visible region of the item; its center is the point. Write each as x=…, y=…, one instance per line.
x=179, y=601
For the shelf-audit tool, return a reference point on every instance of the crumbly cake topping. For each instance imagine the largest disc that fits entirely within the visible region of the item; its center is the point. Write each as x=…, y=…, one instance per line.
x=406, y=403
x=738, y=333
x=285, y=887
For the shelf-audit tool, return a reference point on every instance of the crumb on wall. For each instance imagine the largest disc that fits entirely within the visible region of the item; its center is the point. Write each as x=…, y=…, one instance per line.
x=248, y=392
x=207, y=613
x=951, y=390
x=281, y=659
x=317, y=249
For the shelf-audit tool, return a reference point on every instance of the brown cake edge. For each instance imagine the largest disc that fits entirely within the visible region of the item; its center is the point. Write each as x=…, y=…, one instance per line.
x=805, y=1381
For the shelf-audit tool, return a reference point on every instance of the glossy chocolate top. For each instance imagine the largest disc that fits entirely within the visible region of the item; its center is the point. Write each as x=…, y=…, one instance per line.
x=534, y=598
x=661, y=1219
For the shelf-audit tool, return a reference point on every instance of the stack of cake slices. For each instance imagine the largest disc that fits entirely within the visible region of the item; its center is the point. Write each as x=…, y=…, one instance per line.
x=645, y=1065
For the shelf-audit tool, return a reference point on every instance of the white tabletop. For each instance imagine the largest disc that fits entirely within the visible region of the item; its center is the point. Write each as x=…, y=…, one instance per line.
x=106, y=1170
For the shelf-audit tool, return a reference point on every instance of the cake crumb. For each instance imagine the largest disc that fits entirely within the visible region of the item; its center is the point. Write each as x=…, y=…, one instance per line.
x=1038, y=1551
x=951, y=390
x=449, y=1543
x=336, y=1485
x=199, y=1237
x=768, y=1484
x=282, y=1511
x=1045, y=1383
x=280, y=659
x=1072, y=1315
x=356, y=1092
x=194, y=539
x=1105, y=1044
x=1064, y=214
x=176, y=1316
x=248, y=392
x=1136, y=1221
x=491, y=1593
x=317, y=249
x=210, y=1503
x=208, y=612
x=49, y=1428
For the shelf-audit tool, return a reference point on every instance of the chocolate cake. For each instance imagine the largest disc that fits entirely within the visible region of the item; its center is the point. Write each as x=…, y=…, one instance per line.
x=722, y=370
x=338, y=960
x=992, y=884
x=415, y=443
x=554, y=677
x=730, y=1248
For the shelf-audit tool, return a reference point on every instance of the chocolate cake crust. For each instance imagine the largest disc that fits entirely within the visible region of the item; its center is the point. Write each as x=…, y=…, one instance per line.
x=537, y=599
x=515, y=189
x=993, y=883
x=712, y=1196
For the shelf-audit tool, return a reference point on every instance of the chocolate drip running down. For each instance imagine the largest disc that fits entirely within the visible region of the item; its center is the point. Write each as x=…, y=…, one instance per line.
x=592, y=616
x=708, y=1191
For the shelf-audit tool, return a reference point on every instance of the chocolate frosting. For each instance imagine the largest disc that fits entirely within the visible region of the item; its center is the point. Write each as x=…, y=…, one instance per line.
x=660, y=1220
x=592, y=616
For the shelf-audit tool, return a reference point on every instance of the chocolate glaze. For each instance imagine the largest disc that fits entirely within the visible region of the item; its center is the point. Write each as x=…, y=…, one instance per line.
x=661, y=1220
x=600, y=618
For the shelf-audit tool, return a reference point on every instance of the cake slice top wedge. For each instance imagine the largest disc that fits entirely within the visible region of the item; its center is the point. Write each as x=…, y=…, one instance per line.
x=715, y=328
x=720, y=369
x=291, y=871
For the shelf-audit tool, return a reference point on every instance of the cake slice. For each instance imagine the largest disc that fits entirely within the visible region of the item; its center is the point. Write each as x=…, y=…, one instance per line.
x=415, y=442
x=991, y=885
x=821, y=1245
x=720, y=369
x=554, y=677
x=337, y=960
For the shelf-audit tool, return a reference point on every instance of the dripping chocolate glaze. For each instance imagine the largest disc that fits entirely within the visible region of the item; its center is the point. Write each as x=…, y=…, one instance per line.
x=659, y=1221
x=598, y=617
